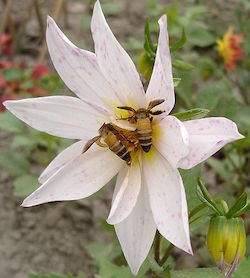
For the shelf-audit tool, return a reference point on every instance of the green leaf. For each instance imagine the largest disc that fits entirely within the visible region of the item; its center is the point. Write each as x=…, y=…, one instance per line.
x=179, y=43
x=80, y=275
x=242, y=144
x=189, y=178
x=196, y=273
x=177, y=81
x=205, y=197
x=148, y=43
x=181, y=65
x=242, y=271
x=191, y=114
x=22, y=141
x=208, y=97
x=221, y=167
x=10, y=123
x=50, y=276
x=24, y=185
x=110, y=8
x=15, y=164
x=200, y=37
x=27, y=84
x=245, y=209
x=85, y=21
x=12, y=74
x=107, y=227
x=239, y=204
x=207, y=202
x=110, y=270
x=98, y=251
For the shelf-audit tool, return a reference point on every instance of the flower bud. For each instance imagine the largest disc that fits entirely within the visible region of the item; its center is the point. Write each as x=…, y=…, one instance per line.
x=226, y=241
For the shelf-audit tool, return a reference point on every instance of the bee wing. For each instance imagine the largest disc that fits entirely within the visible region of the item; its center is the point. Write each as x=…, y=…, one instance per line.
x=119, y=133
x=90, y=143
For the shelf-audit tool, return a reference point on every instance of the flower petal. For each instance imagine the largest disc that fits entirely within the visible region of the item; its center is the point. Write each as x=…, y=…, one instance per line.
x=171, y=139
x=115, y=63
x=167, y=200
x=136, y=233
x=79, y=178
x=129, y=184
x=161, y=84
x=61, y=160
x=78, y=68
x=206, y=137
x=62, y=116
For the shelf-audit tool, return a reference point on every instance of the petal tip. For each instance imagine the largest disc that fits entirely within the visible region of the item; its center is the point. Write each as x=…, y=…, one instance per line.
x=163, y=19
x=6, y=103
x=50, y=20
x=25, y=204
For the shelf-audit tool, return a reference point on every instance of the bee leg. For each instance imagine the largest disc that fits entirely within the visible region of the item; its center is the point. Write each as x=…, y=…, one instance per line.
x=154, y=103
x=127, y=108
x=127, y=118
x=100, y=144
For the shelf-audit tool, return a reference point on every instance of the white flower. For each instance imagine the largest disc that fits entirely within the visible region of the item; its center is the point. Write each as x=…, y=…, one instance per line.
x=149, y=194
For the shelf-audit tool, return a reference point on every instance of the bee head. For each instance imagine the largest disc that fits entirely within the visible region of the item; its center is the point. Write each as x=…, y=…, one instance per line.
x=141, y=113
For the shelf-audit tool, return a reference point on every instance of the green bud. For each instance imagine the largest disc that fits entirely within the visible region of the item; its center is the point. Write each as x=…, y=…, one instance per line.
x=226, y=241
x=145, y=65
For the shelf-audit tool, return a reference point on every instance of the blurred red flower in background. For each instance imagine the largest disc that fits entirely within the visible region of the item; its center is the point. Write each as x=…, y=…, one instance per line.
x=229, y=48
x=17, y=80
x=40, y=70
x=6, y=44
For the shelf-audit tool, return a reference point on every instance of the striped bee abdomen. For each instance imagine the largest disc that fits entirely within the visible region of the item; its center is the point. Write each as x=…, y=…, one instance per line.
x=118, y=148
x=144, y=133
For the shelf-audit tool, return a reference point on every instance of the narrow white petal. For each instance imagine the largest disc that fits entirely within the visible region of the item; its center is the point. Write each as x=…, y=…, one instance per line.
x=206, y=137
x=79, y=178
x=61, y=160
x=171, y=139
x=129, y=184
x=115, y=63
x=161, y=84
x=78, y=69
x=167, y=200
x=62, y=116
x=136, y=233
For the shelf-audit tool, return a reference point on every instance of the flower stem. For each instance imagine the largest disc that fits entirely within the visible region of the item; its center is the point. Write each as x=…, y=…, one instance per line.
x=157, y=246
x=167, y=254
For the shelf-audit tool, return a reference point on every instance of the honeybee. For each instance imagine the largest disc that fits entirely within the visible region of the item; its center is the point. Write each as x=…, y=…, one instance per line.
x=143, y=119
x=113, y=139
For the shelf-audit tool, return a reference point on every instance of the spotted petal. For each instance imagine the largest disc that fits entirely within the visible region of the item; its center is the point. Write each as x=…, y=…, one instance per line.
x=136, y=233
x=167, y=200
x=62, y=116
x=171, y=139
x=161, y=84
x=129, y=184
x=114, y=62
x=80, y=178
x=206, y=137
x=61, y=160
x=78, y=69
